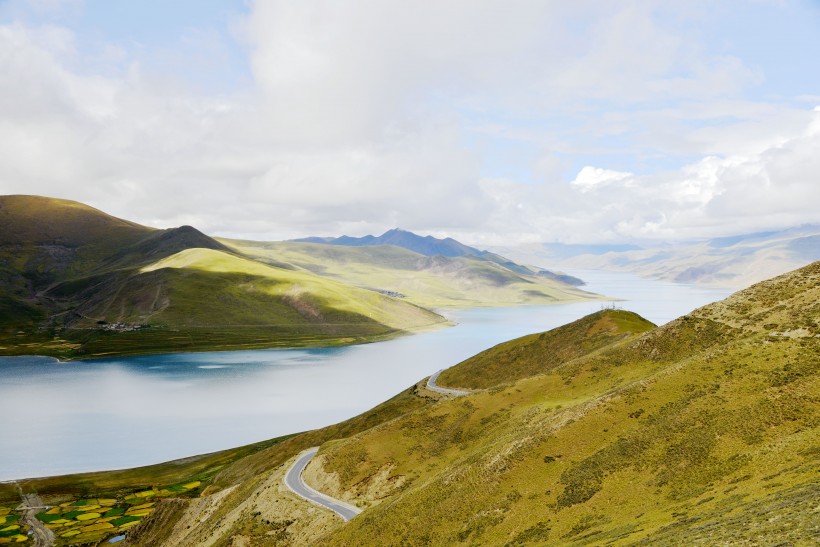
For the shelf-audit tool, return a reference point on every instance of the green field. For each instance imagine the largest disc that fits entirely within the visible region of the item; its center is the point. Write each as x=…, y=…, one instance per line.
x=84, y=521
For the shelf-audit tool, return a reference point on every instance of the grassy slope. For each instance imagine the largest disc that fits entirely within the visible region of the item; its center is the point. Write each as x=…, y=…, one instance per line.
x=426, y=281
x=701, y=431
x=43, y=240
x=208, y=299
x=39, y=219
x=693, y=431
x=50, y=239
x=239, y=468
x=538, y=353
x=65, y=268
x=311, y=298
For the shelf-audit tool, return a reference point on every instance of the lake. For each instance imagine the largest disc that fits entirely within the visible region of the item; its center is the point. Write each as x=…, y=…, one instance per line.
x=124, y=412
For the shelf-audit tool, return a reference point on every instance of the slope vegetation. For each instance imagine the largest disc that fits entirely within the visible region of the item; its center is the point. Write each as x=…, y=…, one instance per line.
x=429, y=281
x=77, y=282
x=539, y=353
x=703, y=431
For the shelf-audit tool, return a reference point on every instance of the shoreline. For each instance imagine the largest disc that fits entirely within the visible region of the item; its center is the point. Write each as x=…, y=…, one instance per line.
x=439, y=310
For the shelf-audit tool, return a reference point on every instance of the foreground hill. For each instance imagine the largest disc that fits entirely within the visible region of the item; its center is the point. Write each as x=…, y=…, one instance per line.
x=539, y=353
x=75, y=282
x=703, y=431
x=429, y=281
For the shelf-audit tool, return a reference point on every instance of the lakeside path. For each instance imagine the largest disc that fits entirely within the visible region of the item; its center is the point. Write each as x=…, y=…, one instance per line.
x=293, y=480
x=431, y=385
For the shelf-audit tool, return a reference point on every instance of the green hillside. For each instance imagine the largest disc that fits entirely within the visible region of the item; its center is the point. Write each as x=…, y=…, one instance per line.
x=703, y=431
x=75, y=282
x=428, y=281
x=539, y=353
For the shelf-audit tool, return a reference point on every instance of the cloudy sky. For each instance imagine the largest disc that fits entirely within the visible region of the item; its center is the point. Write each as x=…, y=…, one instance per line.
x=493, y=121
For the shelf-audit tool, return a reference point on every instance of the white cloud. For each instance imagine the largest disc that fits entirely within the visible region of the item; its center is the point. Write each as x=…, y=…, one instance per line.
x=590, y=178
x=363, y=116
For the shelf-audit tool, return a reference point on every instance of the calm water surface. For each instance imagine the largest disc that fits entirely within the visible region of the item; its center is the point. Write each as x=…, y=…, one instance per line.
x=123, y=412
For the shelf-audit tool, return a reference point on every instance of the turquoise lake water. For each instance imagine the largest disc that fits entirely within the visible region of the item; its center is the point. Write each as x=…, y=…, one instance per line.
x=123, y=412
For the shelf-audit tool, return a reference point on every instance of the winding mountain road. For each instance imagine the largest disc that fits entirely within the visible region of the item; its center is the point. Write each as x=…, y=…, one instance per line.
x=293, y=480
x=431, y=385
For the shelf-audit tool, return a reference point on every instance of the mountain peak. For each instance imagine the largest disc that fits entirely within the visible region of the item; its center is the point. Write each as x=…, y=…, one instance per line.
x=425, y=245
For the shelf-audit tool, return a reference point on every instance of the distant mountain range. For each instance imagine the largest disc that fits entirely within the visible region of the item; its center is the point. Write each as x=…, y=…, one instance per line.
x=431, y=246
x=425, y=245
x=735, y=261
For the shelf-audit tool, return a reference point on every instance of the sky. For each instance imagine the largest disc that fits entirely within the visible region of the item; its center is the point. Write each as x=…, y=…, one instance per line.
x=494, y=122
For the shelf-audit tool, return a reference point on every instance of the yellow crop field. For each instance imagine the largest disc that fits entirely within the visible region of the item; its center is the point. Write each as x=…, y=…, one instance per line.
x=140, y=513
x=96, y=526
x=128, y=525
x=88, y=516
x=143, y=506
x=70, y=533
x=191, y=485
